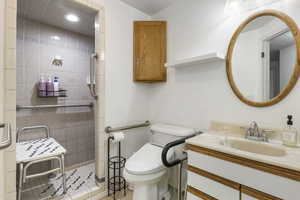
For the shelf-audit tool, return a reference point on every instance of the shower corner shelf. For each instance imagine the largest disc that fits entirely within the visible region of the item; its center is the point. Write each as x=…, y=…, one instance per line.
x=45, y=94
x=205, y=58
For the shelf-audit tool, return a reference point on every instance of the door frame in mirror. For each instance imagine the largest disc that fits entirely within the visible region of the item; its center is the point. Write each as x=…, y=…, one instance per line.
x=266, y=60
x=294, y=78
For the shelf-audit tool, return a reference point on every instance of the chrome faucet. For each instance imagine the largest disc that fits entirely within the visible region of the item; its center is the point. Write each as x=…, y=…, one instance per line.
x=253, y=133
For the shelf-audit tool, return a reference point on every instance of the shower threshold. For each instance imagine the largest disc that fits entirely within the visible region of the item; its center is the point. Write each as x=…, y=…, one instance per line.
x=80, y=185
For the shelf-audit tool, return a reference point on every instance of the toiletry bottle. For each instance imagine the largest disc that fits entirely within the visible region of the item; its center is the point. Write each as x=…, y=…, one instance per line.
x=50, y=87
x=42, y=91
x=290, y=135
x=56, y=86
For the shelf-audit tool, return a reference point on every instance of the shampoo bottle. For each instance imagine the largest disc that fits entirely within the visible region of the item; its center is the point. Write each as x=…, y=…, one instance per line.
x=50, y=87
x=42, y=87
x=56, y=86
x=290, y=134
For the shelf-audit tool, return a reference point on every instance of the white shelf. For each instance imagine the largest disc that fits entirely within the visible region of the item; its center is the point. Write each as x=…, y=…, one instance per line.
x=207, y=58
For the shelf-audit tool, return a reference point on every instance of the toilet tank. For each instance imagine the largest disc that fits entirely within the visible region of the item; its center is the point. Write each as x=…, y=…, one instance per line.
x=162, y=134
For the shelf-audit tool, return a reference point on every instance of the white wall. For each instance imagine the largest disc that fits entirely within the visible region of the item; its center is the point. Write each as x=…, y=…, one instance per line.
x=194, y=96
x=126, y=102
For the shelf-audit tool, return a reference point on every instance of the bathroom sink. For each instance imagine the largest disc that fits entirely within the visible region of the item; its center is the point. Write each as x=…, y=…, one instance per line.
x=254, y=147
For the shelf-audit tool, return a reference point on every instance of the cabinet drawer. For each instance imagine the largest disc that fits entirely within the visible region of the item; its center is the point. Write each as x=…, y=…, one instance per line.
x=252, y=194
x=194, y=194
x=281, y=187
x=213, y=185
x=247, y=197
x=191, y=196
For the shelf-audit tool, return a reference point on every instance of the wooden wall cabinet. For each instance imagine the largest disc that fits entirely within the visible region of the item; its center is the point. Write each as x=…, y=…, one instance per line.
x=149, y=51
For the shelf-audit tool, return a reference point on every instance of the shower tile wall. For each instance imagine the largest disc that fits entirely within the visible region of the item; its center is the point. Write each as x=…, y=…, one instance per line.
x=36, y=47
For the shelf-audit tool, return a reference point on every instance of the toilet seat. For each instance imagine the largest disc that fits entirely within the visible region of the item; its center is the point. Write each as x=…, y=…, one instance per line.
x=147, y=160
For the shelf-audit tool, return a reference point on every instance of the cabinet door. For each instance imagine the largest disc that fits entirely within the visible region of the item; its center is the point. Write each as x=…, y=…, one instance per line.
x=149, y=51
x=252, y=194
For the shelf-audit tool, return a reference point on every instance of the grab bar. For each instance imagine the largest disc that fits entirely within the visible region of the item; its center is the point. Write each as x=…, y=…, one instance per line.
x=8, y=138
x=92, y=82
x=109, y=129
x=173, y=144
x=18, y=107
x=176, y=161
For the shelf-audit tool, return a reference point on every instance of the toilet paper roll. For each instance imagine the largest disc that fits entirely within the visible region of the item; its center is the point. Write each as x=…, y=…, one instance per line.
x=118, y=136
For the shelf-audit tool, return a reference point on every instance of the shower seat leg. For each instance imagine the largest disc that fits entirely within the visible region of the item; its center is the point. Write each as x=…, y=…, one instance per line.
x=63, y=173
x=20, y=184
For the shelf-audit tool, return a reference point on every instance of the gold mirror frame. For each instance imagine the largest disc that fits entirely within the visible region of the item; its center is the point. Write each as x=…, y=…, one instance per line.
x=293, y=80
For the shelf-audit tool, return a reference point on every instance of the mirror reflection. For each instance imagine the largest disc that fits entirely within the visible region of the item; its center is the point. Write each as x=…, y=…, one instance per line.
x=263, y=59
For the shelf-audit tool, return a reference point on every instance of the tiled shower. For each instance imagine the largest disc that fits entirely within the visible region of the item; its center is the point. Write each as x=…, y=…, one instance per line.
x=37, y=45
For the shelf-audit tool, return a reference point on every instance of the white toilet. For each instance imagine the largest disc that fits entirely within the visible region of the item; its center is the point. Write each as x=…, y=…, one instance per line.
x=145, y=170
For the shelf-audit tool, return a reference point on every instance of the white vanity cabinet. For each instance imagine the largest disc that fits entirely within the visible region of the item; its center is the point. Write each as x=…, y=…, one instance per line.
x=251, y=194
x=214, y=186
x=216, y=175
x=247, y=197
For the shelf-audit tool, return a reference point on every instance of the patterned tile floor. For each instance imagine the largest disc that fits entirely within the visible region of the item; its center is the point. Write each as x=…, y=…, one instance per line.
x=79, y=181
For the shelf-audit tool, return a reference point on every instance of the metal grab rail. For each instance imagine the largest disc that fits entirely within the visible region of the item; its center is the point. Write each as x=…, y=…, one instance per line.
x=175, y=162
x=92, y=82
x=109, y=129
x=53, y=106
x=173, y=144
x=8, y=138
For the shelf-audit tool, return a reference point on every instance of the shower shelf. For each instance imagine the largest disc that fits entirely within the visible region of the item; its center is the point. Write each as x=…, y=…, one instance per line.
x=45, y=94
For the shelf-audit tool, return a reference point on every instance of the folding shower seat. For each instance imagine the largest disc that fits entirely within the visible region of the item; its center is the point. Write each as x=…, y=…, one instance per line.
x=36, y=151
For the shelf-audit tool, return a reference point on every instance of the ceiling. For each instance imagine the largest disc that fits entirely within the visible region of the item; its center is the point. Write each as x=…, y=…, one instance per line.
x=53, y=12
x=149, y=7
x=258, y=23
x=282, y=41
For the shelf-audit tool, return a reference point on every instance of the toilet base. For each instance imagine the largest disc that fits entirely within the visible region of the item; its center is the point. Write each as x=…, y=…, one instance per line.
x=149, y=192
x=149, y=187
x=145, y=191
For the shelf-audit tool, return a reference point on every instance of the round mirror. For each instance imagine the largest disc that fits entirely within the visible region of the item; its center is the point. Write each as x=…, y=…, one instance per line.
x=263, y=58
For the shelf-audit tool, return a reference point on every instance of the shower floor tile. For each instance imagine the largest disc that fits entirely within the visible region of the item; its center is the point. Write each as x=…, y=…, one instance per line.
x=79, y=181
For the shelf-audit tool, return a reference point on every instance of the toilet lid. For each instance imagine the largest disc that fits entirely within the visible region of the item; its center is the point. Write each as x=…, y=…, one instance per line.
x=147, y=160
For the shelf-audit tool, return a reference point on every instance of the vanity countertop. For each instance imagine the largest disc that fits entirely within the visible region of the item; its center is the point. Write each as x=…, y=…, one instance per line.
x=214, y=141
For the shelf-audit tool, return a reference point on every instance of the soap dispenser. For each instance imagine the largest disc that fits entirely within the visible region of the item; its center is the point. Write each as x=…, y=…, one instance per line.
x=290, y=134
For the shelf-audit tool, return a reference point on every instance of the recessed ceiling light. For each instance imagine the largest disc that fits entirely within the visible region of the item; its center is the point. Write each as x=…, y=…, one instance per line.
x=72, y=18
x=55, y=37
